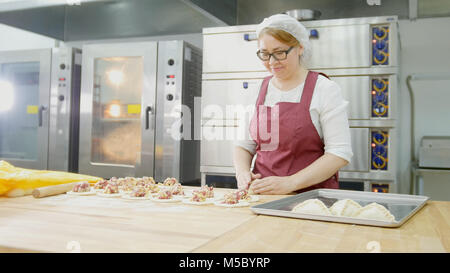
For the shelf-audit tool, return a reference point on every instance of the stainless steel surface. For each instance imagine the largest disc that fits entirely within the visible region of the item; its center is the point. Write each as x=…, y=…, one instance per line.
x=28, y=147
x=401, y=206
x=356, y=54
x=113, y=19
x=355, y=89
x=304, y=14
x=434, y=152
x=150, y=141
x=177, y=144
x=360, y=141
x=145, y=77
x=64, y=109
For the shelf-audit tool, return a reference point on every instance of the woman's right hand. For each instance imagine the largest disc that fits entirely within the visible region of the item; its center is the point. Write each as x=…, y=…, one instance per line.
x=244, y=179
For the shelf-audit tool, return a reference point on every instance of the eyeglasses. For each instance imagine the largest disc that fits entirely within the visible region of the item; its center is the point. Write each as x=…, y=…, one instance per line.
x=277, y=55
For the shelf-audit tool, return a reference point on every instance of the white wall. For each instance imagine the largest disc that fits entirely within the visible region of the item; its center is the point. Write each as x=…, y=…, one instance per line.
x=425, y=48
x=12, y=38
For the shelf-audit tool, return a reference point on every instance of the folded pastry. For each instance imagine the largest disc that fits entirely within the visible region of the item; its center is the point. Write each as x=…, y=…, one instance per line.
x=375, y=211
x=345, y=207
x=312, y=206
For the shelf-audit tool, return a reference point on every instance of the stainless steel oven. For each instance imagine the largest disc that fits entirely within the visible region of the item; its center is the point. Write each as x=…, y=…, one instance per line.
x=360, y=54
x=130, y=101
x=40, y=108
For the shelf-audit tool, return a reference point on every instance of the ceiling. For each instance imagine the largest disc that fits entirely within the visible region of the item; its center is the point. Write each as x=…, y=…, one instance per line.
x=78, y=20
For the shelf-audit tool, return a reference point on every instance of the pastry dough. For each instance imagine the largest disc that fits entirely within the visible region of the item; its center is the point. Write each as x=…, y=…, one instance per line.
x=375, y=211
x=198, y=196
x=177, y=189
x=139, y=191
x=92, y=192
x=230, y=198
x=345, y=207
x=209, y=191
x=312, y=206
x=191, y=202
x=170, y=181
x=101, y=185
x=236, y=205
x=81, y=187
x=111, y=188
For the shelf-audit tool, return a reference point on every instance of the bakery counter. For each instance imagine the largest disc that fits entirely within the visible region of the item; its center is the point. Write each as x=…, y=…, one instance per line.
x=65, y=223
x=427, y=231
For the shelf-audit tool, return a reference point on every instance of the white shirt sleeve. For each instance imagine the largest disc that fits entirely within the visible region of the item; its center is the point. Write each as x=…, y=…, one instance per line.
x=249, y=145
x=334, y=120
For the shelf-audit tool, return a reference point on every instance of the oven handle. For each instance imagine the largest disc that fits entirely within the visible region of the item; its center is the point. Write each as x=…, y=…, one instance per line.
x=42, y=108
x=148, y=112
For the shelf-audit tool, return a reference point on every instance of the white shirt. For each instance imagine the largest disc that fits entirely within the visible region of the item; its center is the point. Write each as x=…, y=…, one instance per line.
x=328, y=111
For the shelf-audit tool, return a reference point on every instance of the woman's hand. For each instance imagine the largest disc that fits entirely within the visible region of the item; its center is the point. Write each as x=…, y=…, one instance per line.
x=245, y=178
x=273, y=185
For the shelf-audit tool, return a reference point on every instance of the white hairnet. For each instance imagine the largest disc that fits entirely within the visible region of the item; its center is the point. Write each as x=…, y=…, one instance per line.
x=290, y=25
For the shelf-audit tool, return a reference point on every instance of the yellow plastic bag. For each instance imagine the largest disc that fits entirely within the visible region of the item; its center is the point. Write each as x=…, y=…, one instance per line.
x=16, y=182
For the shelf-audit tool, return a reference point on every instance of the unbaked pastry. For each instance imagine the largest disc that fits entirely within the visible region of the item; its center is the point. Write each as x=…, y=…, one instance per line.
x=139, y=191
x=209, y=191
x=170, y=181
x=81, y=187
x=101, y=185
x=177, y=189
x=345, y=207
x=230, y=198
x=375, y=211
x=312, y=206
x=111, y=188
x=164, y=194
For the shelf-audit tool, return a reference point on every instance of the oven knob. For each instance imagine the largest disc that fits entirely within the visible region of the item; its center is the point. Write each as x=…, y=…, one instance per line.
x=62, y=66
x=380, y=45
x=171, y=62
x=169, y=97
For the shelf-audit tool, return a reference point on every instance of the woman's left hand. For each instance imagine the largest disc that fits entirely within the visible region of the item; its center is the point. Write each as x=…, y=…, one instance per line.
x=273, y=185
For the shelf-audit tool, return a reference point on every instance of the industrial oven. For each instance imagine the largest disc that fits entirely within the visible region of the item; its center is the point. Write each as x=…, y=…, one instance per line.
x=131, y=122
x=360, y=54
x=39, y=108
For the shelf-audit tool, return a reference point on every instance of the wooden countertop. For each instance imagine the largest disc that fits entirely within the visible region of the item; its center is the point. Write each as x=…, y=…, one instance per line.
x=63, y=223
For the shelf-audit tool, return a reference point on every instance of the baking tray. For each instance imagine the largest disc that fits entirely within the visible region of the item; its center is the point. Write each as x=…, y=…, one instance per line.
x=402, y=206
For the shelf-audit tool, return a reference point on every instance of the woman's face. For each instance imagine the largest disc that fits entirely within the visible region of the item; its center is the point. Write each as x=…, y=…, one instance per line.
x=283, y=69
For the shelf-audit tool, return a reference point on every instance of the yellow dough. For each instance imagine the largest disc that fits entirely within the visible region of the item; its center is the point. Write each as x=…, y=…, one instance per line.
x=312, y=206
x=345, y=207
x=375, y=211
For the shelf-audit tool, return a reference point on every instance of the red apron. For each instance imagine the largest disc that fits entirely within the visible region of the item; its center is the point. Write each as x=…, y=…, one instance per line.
x=299, y=144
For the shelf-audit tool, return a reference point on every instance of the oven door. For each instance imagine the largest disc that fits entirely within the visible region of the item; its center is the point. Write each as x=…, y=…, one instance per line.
x=24, y=107
x=118, y=109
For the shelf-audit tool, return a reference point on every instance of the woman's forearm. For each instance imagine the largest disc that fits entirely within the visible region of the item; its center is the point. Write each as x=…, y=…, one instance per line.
x=242, y=159
x=320, y=170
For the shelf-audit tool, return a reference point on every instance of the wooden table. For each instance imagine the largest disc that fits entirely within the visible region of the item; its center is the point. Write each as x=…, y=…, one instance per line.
x=66, y=223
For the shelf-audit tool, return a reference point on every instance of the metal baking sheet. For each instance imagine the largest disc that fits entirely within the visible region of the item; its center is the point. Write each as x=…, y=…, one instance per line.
x=402, y=206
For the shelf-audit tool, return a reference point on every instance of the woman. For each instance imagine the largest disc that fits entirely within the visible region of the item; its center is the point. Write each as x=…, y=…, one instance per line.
x=306, y=112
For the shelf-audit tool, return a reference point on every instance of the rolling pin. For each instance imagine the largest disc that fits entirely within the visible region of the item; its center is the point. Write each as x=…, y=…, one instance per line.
x=52, y=190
